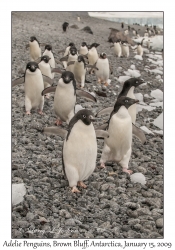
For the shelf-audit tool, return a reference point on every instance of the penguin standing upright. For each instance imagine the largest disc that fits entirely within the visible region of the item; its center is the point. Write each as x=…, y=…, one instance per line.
x=140, y=48
x=92, y=54
x=117, y=48
x=48, y=52
x=34, y=48
x=102, y=73
x=83, y=49
x=122, y=25
x=125, y=48
x=73, y=55
x=33, y=86
x=66, y=53
x=80, y=71
x=65, y=97
x=79, y=148
x=78, y=19
x=65, y=26
x=117, y=147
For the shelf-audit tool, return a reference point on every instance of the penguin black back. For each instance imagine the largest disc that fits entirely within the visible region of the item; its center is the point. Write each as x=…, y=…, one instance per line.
x=48, y=47
x=65, y=26
x=132, y=82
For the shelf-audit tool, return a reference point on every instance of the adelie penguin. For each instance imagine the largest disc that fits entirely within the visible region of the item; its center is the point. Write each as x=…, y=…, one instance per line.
x=103, y=71
x=34, y=47
x=128, y=91
x=48, y=52
x=125, y=49
x=83, y=49
x=92, y=54
x=65, y=26
x=33, y=85
x=66, y=53
x=117, y=48
x=79, y=148
x=65, y=97
x=117, y=148
x=73, y=55
x=140, y=48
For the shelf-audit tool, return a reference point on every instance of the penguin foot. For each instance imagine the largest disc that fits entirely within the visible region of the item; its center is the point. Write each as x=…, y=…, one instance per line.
x=102, y=165
x=81, y=184
x=75, y=190
x=106, y=84
x=40, y=112
x=127, y=171
x=99, y=81
x=28, y=113
x=58, y=122
x=47, y=96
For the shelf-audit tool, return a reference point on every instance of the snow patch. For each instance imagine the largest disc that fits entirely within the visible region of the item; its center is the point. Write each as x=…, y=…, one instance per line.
x=78, y=107
x=158, y=94
x=144, y=128
x=139, y=96
x=18, y=191
x=132, y=73
x=156, y=104
x=138, y=57
x=138, y=177
x=158, y=122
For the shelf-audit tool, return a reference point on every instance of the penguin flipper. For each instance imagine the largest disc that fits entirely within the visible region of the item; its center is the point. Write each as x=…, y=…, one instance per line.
x=86, y=95
x=64, y=59
x=38, y=60
x=56, y=70
x=18, y=81
x=55, y=131
x=101, y=134
x=48, y=90
x=70, y=63
x=47, y=79
x=105, y=111
x=138, y=133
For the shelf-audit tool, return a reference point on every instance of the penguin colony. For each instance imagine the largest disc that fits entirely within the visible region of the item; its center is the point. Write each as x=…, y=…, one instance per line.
x=80, y=144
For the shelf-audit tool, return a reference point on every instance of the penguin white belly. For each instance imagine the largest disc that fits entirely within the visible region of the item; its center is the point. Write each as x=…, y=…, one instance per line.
x=51, y=61
x=45, y=70
x=71, y=67
x=64, y=101
x=79, y=72
x=117, y=49
x=140, y=50
x=103, y=69
x=120, y=137
x=80, y=160
x=132, y=108
x=35, y=50
x=92, y=56
x=125, y=51
x=65, y=54
x=33, y=87
x=83, y=50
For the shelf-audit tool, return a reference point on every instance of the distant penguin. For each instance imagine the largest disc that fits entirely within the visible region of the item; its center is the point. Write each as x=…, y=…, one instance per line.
x=48, y=52
x=45, y=68
x=118, y=146
x=122, y=25
x=79, y=148
x=92, y=54
x=78, y=19
x=125, y=49
x=65, y=26
x=73, y=55
x=33, y=86
x=80, y=71
x=67, y=53
x=65, y=97
x=117, y=48
x=140, y=48
x=83, y=49
x=34, y=47
x=128, y=91
x=103, y=71
x=134, y=31
x=129, y=28
x=148, y=44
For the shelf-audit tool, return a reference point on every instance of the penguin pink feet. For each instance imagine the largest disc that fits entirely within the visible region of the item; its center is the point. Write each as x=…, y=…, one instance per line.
x=58, y=122
x=127, y=171
x=81, y=184
x=102, y=165
x=75, y=190
x=40, y=112
x=28, y=113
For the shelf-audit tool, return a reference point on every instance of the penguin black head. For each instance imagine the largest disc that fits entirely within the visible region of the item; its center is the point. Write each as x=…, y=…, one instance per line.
x=94, y=45
x=118, y=41
x=84, y=44
x=73, y=51
x=85, y=115
x=45, y=58
x=132, y=82
x=103, y=55
x=67, y=77
x=48, y=47
x=65, y=25
x=81, y=59
x=71, y=44
x=32, y=66
x=33, y=38
x=124, y=101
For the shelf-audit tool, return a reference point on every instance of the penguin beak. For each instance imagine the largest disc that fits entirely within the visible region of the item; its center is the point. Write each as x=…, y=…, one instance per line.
x=92, y=118
x=136, y=101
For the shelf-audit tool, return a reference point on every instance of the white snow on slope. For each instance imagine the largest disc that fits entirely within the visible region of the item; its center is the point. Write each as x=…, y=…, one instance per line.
x=138, y=177
x=18, y=191
x=158, y=94
x=144, y=128
x=158, y=122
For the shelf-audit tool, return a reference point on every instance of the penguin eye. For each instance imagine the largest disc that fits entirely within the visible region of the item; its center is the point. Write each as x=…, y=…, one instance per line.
x=29, y=66
x=137, y=82
x=84, y=116
x=126, y=100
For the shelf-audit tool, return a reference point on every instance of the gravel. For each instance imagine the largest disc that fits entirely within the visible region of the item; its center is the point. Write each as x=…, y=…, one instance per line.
x=111, y=206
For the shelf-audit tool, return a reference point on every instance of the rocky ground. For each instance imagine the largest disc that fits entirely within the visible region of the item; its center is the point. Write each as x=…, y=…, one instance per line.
x=111, y=206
